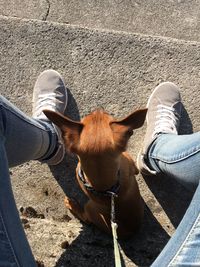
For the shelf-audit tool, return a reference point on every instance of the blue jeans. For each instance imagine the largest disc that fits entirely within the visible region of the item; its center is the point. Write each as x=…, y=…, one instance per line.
x=178, y=156
x=21, y=139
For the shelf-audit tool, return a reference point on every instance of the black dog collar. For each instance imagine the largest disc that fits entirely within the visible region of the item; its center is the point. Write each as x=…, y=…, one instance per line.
x=114, y=190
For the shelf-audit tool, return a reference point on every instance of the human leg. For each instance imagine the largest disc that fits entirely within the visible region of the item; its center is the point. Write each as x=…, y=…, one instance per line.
x=166, y=152
x=25, y=138
x=22, y=139
x=177, y=156
x=14, y=247
x=35, y=138
x=183, y=249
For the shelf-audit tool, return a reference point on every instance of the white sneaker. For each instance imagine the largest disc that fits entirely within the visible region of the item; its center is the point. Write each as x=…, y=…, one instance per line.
x=163, y=116
x=50, y=93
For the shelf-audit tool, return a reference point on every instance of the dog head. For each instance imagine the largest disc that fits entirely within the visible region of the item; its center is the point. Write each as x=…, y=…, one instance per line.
x=98, y=132
x=98, y=140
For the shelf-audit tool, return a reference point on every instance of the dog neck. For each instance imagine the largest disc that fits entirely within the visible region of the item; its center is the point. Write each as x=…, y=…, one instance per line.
x=114, y=190
x=100, y=175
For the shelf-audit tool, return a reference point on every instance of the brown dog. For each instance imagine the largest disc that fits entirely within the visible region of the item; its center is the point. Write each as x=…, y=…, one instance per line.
x=104, y=167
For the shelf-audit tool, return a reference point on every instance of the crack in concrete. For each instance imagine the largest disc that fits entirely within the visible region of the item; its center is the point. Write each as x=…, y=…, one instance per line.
x=48, y=10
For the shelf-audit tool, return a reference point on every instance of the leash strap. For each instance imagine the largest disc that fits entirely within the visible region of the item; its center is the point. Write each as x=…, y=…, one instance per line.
x=112, y=193
x=114, y=233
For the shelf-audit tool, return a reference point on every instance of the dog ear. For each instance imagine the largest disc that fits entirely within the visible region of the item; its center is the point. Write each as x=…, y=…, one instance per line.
x=123, y=129
x=70, y=129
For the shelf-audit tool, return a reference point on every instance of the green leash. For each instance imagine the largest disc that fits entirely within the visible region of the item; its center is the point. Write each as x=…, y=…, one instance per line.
x=114, y=233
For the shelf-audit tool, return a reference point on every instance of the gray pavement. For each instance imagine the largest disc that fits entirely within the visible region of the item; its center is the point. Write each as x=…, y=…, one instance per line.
x=171, y=18
x=115, y=70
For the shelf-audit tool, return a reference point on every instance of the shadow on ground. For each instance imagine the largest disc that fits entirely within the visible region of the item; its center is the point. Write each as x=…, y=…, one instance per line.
x=94, y=248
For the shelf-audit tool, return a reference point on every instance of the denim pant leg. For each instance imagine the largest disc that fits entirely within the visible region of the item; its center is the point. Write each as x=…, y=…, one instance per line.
x=179, y=157
x=21, y=139
x=14, y=247
x=25, y=138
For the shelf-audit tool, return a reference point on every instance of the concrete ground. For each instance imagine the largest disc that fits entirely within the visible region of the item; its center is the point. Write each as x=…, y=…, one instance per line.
x=112, y=56
x=171, y=18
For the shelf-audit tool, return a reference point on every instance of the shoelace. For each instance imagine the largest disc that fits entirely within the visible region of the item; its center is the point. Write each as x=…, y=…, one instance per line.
x=45, y=101
x=167, y=119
